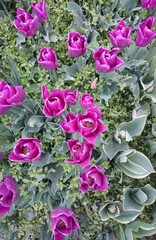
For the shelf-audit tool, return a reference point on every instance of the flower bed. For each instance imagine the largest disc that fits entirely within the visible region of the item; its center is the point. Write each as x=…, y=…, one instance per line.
x=77, y=125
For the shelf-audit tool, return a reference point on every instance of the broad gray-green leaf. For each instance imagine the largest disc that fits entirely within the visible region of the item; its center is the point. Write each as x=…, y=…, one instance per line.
x=152, y=146
x=126, y=216
x=36, y=120
x=112, y=148
x=134, y=127
x=54, y=177
x=151, y=194
x=129, y=203
x=134, y=164
x=141, y=229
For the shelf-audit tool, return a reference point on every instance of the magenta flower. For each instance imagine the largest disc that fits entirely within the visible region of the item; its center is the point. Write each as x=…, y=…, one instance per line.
x=81, y=152
x=77, y=44
x=8, y=194
x=69, y=123
x=145, y=32
x=10, y=96
x=71, y=97
x=26, y=150
x=90, y=126
x=86, y=101
x=26, y=23
x=93, y=177
x=95, y=110
x=149, y=4
x=54, y=102
x=63, y=222
x=40, y=10
x=120, y=36
x=1, y=156
x=48, y=59
x=106, y=60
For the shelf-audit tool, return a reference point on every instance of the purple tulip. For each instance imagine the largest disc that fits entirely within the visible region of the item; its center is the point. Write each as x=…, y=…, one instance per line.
x=145, y=32
x=71, y=97
x=10, y=96
x=26, y=150
x=54, y=102
x=96, y=110
x=26, y=23
x=1, y=156
x=120, y=36
x=149, y=4
x=40, y=10
x=8, y=194
x=86, y=101
x=63, y=222
x=93, y=177
x=106, y=60
x=69, y=123
x=48, y=59
x=77, y=44
x=81, y=152
x=90, y=126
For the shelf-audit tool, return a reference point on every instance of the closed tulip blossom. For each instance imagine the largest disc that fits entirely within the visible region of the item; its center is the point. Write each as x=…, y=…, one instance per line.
x=120, y=36
x=93, y=177
x=40, y=10
x=48, y=59
x=8, y=194
x=26, y=150
x=69, y=123
x=86, y=101
x=71, y=97
x=54, y=102
x=149, y=4
x=90, y=126
x=10, y=96
x=26, y=23
x=145, y=32
x=63, y=222
x=107, y=60
x=77, y=44
x=80, y=152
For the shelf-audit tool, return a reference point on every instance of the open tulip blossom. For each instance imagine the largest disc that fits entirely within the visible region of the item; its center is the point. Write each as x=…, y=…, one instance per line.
x=120, y=36
x=10, y=96
x=26, y=150
x=107, y=60
x=149, y=4
x=26, y=23
x=63, y=222
x=8, y=194
x=145, y=32
x=93, y=177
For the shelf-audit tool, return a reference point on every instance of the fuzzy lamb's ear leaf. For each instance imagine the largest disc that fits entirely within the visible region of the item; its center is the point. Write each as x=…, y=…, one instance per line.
x=134, y=164
x=141, y=229
x=134, y=127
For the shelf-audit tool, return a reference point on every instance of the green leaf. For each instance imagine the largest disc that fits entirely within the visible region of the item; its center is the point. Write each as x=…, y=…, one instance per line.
x=20, y=39
x=150, y=193
x=54, y=177
x=112, y=148
x=129, y=203
x=141, y=229
x=134, y=164
x=14, y=71
x=152, y=146
x=134, y=127
x=126, y=216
